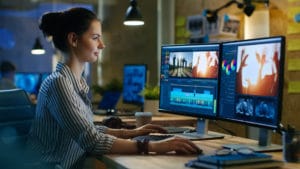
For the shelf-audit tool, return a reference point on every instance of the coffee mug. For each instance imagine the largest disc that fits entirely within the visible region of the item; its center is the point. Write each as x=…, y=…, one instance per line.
x=291, y=146
x=143, y=118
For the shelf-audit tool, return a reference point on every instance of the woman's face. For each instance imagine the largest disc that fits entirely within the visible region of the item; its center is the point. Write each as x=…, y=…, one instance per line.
x=90, y=43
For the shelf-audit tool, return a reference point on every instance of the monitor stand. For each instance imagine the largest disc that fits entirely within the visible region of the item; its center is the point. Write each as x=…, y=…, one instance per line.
x=201, y=132
x=264, y=143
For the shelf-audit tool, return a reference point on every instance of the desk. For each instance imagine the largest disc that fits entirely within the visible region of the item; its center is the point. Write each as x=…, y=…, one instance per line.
x=163, y=119
x=173, y=161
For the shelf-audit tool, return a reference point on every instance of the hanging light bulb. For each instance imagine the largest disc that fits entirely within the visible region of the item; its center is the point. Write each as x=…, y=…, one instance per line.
x=133, y=15
x=37, y=48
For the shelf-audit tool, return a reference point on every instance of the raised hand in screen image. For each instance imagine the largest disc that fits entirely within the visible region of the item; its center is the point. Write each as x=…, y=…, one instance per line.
x=257, y=70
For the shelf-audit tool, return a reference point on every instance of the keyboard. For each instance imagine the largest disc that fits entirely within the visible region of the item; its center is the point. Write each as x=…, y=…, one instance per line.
x=124, y=114
x=112, y=112
x=174, y=130
x=153, y=137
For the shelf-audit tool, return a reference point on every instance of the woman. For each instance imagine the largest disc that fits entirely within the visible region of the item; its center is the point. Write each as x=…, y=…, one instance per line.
x=63, y=131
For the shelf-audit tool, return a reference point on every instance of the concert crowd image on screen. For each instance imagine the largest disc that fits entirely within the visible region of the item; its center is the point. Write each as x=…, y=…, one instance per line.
x=257, y=69
x=197, y=64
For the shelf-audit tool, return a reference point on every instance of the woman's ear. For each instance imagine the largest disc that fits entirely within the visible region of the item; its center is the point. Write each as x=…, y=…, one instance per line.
x=72, y=39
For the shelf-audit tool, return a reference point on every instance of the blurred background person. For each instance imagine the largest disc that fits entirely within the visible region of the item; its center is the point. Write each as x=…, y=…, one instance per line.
x=8, y=71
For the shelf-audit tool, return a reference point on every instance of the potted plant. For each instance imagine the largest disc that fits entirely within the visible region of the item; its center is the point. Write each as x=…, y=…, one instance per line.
x=113, y=85
x=151, y=95
x=151, y=92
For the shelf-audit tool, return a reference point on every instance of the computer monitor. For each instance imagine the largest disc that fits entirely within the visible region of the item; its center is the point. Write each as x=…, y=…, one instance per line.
x=251, y=79
x=134, y=81
x=30, y=82
x=27, y=81
x=189, y=83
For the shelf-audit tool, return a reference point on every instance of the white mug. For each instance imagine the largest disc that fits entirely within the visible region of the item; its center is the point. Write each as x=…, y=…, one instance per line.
x=143, y=118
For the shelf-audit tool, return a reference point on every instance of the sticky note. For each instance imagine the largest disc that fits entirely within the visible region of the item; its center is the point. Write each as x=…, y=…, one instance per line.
x=294, y=87
x=293, y=44
x=292, y=1
x=293, y=65
x=180, y=21
x=293, y=28
x=293, y=11
x=180, y=32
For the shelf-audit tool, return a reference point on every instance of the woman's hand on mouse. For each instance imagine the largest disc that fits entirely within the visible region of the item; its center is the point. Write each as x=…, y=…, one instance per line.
x=177, y=144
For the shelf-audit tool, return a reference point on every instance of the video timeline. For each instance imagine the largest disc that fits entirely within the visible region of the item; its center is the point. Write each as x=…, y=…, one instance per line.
x=193, y=97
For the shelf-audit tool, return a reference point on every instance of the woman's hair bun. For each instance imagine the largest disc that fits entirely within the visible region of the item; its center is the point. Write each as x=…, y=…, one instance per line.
x=49, y=23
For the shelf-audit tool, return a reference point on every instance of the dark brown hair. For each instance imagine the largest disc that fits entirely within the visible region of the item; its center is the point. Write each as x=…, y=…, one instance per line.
x=59, y=24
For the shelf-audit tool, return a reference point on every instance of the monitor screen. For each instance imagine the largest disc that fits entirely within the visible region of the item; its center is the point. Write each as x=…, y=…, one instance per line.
x=30, y=82
x=189, y=80
x=189, y=84
x=134, y=81
x=251, y=79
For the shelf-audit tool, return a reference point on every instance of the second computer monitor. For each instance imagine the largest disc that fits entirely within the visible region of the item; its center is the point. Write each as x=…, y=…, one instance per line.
x=134, y=81
x=251, y=81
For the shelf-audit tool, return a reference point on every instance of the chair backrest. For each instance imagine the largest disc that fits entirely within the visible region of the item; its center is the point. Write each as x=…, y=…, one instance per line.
x=16, y=115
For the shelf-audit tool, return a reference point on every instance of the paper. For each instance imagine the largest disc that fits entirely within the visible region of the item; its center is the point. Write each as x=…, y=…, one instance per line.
x=293, y=28
x=293, y=64
x=292, y=1
x=294, y=87
x=180, y=21
x=293, y=11
x=293, y=44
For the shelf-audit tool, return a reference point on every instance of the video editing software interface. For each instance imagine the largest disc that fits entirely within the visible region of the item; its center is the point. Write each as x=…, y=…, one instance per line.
x=134, y=81
x=251, y=79
x=189, y=79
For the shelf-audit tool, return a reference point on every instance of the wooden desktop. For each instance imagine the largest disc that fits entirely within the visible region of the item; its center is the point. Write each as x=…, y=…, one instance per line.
x=163, y=119
x=171, y=160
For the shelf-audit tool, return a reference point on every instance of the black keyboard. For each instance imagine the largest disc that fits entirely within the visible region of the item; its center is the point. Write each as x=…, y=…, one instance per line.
x=173, y=129
x=153, y=137
x=124, y=114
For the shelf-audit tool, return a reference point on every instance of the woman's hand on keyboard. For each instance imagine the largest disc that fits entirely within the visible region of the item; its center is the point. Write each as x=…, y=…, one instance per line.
x=177, y=144
x=145, y=130
x=130, y=133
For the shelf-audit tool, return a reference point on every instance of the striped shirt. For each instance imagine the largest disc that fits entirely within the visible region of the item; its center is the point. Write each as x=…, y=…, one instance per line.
x=63, y=131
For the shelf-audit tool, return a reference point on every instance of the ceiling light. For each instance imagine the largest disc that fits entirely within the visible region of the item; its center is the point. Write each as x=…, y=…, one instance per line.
x=37, y=48
x=133, y=15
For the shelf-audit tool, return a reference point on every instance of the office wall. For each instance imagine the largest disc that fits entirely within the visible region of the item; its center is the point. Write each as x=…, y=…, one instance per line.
x=127, y=45
x=279, y=24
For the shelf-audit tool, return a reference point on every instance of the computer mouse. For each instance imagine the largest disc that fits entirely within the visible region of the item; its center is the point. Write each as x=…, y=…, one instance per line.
x=200, y=151
x=116, y=122
x=112, y=122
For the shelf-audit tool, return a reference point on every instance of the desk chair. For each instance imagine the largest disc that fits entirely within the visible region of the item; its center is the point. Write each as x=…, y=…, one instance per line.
x=16, y=115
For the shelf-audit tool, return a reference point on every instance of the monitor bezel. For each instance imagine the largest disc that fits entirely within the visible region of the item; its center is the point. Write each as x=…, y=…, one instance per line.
x=145, y=84
x=200, y=116
x=280, y=82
